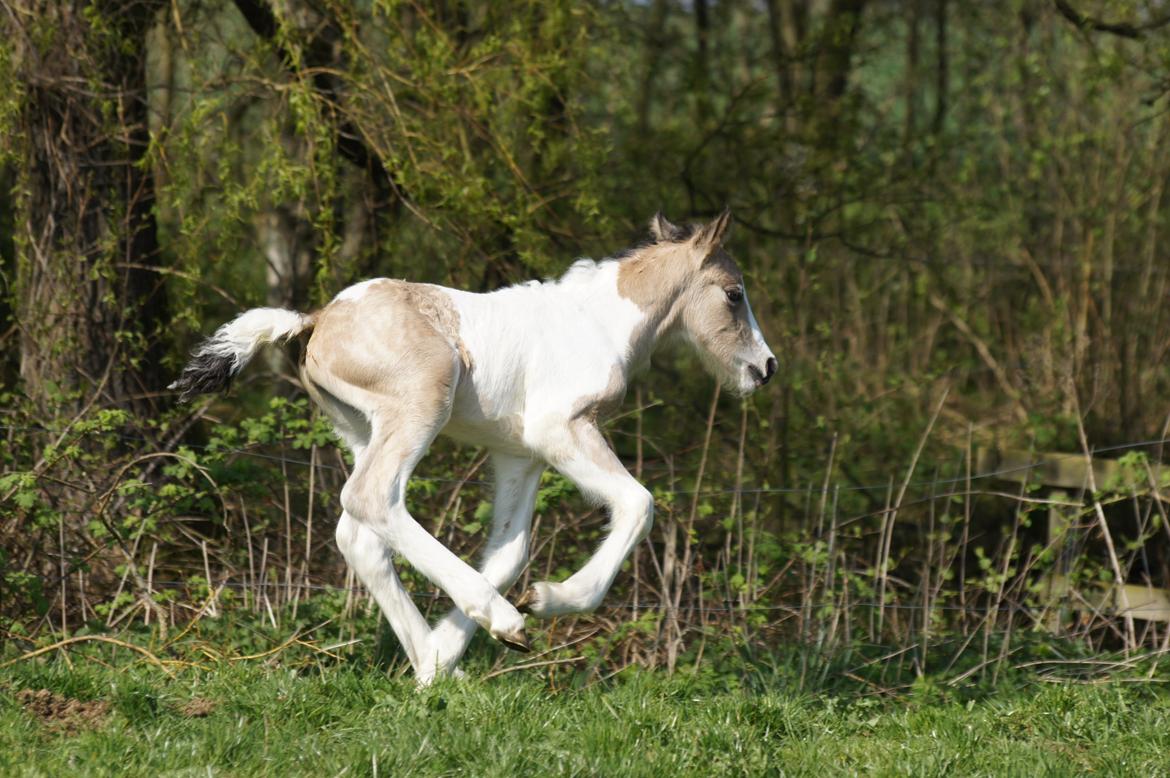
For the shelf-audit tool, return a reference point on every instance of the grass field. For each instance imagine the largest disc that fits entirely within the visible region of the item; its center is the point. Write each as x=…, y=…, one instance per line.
x=98, y=715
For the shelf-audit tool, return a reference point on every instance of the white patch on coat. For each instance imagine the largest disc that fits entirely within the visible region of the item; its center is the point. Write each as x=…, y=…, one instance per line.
x=357, y=291
x=537, y=349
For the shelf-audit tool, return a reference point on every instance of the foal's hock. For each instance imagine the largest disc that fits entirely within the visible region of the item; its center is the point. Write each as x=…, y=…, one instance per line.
x=528, y=372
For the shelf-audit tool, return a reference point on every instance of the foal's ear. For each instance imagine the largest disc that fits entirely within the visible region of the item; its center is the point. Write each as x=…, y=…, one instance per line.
x=662, y=229
x=712, y=235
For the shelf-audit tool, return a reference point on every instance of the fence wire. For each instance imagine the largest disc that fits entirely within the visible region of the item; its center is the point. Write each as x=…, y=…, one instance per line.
x=811, y=488
x=721, y=606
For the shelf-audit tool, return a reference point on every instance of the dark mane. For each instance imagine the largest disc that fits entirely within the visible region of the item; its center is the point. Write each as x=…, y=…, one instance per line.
x=686, y=232
x=630, y=251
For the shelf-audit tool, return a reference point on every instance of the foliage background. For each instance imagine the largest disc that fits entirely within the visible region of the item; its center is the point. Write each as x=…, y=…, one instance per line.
x=950, y=215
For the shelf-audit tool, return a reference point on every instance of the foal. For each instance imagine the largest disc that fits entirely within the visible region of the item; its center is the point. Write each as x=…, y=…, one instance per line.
x=527, y=371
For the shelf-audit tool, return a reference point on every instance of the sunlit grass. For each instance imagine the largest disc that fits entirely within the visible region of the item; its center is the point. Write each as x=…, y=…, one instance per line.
x=250, y=718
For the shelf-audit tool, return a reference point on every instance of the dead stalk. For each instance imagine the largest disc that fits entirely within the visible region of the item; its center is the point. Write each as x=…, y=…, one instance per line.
x=889, y=533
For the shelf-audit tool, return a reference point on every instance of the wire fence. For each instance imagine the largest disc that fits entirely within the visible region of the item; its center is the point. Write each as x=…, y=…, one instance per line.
x=709, y=606
x=811, y=488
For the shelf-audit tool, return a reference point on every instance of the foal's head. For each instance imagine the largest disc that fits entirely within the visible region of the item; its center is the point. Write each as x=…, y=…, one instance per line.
x=711, y=309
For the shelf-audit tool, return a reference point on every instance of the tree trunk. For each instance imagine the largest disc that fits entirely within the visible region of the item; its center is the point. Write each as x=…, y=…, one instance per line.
x=320, y=56
x=834, y=62
x=286, y=238
x=835, y=55
x=90, y=304
x=702, y=77
x=656, y=42
x=942, y=68
x=782, y=55
x=9, y=353
x=913, y=56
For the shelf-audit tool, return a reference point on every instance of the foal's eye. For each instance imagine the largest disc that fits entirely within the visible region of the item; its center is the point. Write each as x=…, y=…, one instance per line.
x=735, y=294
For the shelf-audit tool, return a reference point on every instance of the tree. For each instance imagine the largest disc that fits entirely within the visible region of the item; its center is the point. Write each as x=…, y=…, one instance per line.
x=90, y=304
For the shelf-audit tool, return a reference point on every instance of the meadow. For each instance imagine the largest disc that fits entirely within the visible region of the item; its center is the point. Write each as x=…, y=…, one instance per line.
x=264, y=720
x=239, y=698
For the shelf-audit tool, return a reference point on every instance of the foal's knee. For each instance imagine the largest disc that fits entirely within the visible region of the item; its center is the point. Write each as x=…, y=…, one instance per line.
x=353, y=499
x=364, y=499
x=506, y=563
x=370, y=509
x=344, y=535
x=638, y=509
x=357, y=544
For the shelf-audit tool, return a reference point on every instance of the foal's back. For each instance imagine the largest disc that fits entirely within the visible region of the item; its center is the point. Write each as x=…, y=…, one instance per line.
x=489, y=365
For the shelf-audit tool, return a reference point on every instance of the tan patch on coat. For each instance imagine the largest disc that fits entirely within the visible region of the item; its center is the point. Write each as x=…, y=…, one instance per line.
x=657, y=274
x=720, y=268
x=709, y=314
x=598, y=406
x=590, y=443
x=437, y=308
x=654, y=274
x=676, y=286
x=720, y=329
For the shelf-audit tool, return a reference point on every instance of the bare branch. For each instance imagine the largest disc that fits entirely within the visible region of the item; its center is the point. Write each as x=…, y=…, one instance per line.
x=1123, y=29
x=260, y=17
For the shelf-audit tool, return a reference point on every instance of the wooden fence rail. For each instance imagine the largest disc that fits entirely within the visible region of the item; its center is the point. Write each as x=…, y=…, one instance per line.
x=1067, y=477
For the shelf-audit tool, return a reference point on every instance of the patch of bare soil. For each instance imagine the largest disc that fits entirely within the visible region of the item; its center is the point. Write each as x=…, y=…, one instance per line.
x=62, y=713
x=197, y=707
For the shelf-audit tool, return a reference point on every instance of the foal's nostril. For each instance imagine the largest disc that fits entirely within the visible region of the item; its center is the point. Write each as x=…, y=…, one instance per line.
x=763, y=376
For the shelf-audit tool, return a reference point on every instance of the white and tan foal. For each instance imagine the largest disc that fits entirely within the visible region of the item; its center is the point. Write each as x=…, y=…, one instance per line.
x=527, y=371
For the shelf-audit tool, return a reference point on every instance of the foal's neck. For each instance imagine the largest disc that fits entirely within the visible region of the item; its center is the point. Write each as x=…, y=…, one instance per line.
x=654, y=279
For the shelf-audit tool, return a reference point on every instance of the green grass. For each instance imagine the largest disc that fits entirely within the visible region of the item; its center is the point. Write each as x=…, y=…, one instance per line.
x=273, y=720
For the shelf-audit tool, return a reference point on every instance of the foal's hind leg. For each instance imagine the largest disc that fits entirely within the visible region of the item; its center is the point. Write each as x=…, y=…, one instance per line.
x=375, y=494
x=504, y=556
x=373, y=562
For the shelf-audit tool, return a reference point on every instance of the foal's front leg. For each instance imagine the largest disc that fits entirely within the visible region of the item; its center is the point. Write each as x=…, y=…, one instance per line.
x=579, y=451
x=504, y=556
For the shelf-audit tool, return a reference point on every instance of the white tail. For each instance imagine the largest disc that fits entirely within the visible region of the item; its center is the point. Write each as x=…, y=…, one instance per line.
x=221, y=357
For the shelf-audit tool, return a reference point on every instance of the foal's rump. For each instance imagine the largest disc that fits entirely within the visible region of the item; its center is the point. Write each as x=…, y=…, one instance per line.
x=383, y=348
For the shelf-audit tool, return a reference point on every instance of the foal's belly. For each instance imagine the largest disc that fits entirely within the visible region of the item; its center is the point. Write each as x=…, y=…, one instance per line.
x=477, y=421
x=505, y=435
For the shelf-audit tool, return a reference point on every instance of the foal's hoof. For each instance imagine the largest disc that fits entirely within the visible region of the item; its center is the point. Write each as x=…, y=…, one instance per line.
x=517, y=641
x=527, y=601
